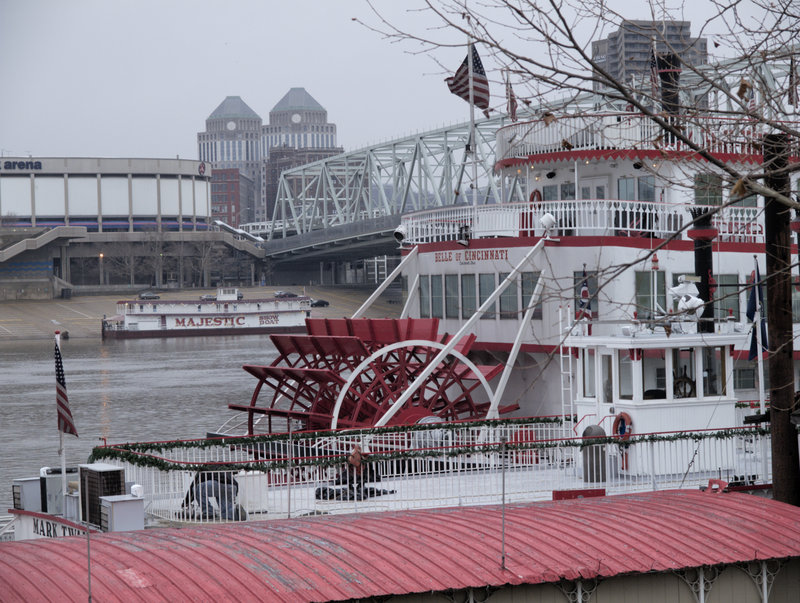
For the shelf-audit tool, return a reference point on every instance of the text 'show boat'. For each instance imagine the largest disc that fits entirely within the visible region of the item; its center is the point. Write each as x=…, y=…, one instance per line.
x=226, y=313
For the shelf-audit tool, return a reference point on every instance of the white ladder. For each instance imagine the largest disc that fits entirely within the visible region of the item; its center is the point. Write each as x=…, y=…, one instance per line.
x=565, y=367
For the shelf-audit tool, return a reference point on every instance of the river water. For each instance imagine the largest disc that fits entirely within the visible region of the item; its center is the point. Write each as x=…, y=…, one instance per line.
x=123, y=391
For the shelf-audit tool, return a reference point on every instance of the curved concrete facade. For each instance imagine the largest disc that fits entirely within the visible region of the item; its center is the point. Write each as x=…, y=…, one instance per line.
x=105, y=195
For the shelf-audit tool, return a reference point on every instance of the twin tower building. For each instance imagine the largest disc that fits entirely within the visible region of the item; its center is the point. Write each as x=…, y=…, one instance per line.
x=247, y=155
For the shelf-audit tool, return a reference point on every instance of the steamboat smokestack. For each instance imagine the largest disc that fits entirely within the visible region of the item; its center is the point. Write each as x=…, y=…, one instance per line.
x=669, y=71
x=703, y=234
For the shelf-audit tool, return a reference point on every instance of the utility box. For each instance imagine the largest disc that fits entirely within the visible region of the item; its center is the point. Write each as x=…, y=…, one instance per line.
x=121, y=513
x=27, y=494
x=99, y=479
x=52, y=488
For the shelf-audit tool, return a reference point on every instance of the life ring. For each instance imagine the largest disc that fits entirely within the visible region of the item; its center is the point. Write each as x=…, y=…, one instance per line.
x=623, y=426
x=536, y=196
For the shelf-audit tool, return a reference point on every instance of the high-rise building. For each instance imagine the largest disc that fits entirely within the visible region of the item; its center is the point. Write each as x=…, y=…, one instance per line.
x=298, y=133
x=625, y=54
x=236, y=138
x=232, y=138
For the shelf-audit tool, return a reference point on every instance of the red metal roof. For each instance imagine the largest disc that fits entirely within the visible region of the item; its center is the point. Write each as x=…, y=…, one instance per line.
x=352, y=556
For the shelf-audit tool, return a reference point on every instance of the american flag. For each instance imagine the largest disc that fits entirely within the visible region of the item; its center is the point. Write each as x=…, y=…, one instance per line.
x=585, y=304
x=65, y=422
x=459, y=83
x=755, y=304
x=653, y=73
x=511, y=107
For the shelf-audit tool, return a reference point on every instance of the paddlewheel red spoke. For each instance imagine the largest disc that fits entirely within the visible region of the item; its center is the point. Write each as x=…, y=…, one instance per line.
x=365, y=366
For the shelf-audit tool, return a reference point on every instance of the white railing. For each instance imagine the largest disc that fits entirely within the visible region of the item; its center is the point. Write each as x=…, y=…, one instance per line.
x=619, y=131
x=269, y=477
x=579, y=218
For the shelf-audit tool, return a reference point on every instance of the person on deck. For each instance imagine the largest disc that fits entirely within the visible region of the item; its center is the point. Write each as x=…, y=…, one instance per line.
x=221, y=484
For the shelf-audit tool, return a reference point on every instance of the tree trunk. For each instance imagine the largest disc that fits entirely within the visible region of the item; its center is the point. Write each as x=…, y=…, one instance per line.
x=785, y=462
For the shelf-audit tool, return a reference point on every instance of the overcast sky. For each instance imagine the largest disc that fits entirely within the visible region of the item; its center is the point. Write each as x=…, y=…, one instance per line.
x=138, y=78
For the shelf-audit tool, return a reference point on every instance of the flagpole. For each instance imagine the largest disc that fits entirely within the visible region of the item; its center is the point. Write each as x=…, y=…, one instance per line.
x=759, y=349
x=61, y=452
x=472, y=141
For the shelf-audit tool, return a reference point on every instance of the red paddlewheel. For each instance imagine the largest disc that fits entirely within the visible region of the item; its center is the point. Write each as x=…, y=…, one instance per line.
x=349, y=373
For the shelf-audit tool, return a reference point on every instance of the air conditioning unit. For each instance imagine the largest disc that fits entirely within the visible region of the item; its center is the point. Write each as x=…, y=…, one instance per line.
x=27, y=494
x=52, y=487
x=99, y=479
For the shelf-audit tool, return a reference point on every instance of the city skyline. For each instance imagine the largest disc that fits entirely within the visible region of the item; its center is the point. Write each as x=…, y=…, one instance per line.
x=138, y=79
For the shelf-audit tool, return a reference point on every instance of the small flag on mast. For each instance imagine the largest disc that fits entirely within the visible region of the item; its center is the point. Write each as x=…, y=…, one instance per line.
x=65, y=422
x=755, y=303
x=459, y=83
x=511, y=107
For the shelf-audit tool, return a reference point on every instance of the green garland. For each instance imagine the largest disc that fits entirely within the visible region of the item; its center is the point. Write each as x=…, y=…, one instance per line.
x=135, y=453
x=315, y=435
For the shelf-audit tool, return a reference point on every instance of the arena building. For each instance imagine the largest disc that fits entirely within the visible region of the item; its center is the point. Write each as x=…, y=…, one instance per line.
x=67, y=223
x=105, y=195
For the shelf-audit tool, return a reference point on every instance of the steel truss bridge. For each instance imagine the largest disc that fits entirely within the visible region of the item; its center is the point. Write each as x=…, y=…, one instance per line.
x=424, y=171
x=433, y=169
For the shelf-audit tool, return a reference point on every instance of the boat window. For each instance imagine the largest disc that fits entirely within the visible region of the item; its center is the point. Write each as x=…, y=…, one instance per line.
x=567, y=191
x=795, y=299
x=588, y=373
x=437, y=308
x=707, y=189
x=606, y=366
x=648, y=283
x=468, y=298
x=654, y=375
x=744, y=378
x=424, y=296
x=451, y=295
x=529, y=280
x=683, y=374
x=486, y=286
x=647, y=188
x=550, y=192
x=625, y=189
x=593, y=188
x=625, y=375
x=726, y=299
x=509, y=306
x=714, y=372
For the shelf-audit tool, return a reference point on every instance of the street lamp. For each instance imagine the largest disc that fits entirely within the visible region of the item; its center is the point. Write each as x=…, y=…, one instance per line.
x=101, y=268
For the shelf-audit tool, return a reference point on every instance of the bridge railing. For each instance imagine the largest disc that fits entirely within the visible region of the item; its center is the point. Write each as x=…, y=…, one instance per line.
x=589, y=217
x=369, y=226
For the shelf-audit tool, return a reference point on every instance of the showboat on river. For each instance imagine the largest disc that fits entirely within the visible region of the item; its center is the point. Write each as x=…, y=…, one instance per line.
x=226, y=313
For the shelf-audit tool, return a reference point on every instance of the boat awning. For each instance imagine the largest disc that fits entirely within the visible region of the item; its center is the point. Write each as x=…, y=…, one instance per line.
x=342, y=557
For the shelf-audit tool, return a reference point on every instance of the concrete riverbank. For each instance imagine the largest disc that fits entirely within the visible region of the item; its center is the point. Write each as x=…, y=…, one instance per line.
x=81, y=316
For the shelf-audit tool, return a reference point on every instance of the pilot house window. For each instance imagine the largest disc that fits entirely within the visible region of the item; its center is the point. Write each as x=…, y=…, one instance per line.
x=508, y=299
x=451, y=295
x=424, y=296
x=468, y=299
